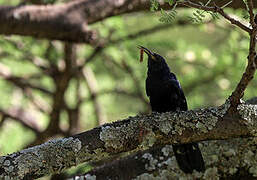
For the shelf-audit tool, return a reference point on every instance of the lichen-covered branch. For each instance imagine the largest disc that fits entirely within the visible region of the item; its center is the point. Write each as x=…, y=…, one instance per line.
x=134, y=133
x=224, y=159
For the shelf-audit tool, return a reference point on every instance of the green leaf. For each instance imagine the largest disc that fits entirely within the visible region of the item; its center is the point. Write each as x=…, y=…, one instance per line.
x=170, y=2
x=167, y=17
x=154, y=5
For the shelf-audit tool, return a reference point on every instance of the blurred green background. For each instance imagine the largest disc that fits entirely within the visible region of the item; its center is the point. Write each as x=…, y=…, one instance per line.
x=208, y=59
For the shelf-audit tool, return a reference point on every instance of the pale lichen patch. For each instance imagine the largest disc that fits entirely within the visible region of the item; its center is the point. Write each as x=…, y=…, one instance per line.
x=248, y=112
x=7, y=163
x=202, y=127
x=201, y=120
x=152, y=162
x=211, y=173
x=232, y=171
x=90, y=177
x=148, y=140
x=253, y=171
x=2, y=159
x=138, y=129
x=113, y=137
x=166, y=150
x=229, y=153
x=52, y=156
x=145, y=176
x=87, y=155
x=116, y=137
x=221, y=110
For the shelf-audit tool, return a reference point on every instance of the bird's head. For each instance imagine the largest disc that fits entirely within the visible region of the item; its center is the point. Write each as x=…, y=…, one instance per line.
x=156, y=63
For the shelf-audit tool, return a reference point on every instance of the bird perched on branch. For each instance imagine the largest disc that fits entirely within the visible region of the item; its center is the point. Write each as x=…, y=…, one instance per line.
x=166, y=94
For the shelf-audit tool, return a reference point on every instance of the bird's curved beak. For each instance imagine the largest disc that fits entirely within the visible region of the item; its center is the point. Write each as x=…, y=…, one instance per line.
x=147, y=51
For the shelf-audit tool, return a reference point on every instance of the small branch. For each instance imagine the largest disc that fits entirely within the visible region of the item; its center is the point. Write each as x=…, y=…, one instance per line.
x=248, y=75
x=148, y=31
x=250, y=11
x=74, y=113
x=19, y=81
x=91, y=82
x=38, y=102
x=232, y=20
x=27, y=55
x=134, y=133
x=96, y=51
x=23, y=117
x=219, y=10
x=62, y=81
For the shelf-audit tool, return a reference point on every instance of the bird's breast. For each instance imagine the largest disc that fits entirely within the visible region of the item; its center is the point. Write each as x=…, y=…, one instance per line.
x=161, y=97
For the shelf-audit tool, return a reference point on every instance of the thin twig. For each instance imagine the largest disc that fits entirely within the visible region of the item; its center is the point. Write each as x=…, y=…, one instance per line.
x=248, y=75
x=233, y=21
x=250, y=11
x=218, y=10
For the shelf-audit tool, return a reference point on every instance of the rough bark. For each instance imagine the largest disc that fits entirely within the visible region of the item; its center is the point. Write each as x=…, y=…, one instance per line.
x=134, y=133
x=70, y=21
x=224, y=159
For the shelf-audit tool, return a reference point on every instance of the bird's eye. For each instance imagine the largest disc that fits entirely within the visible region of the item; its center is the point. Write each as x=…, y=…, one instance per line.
x=153, y=57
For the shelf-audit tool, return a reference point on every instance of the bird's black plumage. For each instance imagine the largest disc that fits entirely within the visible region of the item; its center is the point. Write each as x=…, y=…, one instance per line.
x=166, y=94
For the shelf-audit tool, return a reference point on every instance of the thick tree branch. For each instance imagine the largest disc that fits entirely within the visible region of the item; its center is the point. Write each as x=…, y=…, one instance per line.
x=229, y=159
x=70, y=21
x=134, y=133
x=45, y=21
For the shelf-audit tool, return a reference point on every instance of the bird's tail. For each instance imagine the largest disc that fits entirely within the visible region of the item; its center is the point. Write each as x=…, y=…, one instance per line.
x=189, y=157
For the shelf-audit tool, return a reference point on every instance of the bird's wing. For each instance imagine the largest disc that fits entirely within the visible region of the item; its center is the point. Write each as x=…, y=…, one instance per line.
x=177, y=94
x=147, y=88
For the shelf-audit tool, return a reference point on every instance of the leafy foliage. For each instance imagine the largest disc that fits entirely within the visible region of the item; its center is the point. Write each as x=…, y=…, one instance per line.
x=198, y=16
x=168, y=17
x=154, y=5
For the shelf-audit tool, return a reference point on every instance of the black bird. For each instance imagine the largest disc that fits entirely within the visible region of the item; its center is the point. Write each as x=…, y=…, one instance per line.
x=166, y=94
